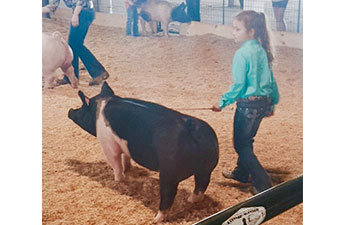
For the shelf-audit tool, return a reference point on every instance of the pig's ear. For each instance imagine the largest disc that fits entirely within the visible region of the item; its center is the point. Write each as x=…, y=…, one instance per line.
x=106, y=90
x=83, y=98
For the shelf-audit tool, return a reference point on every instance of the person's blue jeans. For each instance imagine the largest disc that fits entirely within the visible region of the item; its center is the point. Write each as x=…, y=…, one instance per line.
x=248, y=117
x=193, y=9
x=76, y=39
x=132, y=20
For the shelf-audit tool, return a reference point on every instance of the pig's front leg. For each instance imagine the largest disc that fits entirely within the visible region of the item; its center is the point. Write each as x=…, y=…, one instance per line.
x=165, y=28
x=118, y=171
x=115, y=161
x=112, y=153
x=153, y=26
x=111, y=144
x=126, y=162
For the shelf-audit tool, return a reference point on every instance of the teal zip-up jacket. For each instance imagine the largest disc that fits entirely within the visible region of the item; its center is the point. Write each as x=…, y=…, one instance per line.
x=251, y=74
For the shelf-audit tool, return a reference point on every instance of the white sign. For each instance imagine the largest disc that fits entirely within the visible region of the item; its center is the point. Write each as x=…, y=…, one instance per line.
x=247, y=216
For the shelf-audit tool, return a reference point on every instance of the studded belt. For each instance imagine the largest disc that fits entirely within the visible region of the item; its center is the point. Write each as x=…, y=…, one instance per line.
x=254, y=98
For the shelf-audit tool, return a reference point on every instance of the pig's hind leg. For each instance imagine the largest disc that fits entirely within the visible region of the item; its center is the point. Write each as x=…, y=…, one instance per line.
x=168, y=190
x=69, y=71
x=48, y=80
x=202, y=179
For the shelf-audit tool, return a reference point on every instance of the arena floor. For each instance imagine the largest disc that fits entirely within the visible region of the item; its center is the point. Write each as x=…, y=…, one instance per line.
x=178, y=72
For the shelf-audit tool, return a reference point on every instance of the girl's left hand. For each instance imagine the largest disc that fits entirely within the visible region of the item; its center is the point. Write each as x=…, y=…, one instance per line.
x=270, y=112
x=75, y=21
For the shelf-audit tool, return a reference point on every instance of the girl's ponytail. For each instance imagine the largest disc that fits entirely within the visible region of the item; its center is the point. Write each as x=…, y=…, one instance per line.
x=264, y=38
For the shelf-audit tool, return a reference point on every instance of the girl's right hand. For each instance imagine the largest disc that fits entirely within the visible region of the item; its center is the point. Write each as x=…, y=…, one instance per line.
x=216, y=108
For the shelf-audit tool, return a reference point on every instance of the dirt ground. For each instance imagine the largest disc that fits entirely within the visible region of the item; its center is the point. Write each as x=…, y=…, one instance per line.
x=178, y=72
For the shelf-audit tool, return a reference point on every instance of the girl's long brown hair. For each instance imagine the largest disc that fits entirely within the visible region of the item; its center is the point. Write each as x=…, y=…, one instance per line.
x=257, y=21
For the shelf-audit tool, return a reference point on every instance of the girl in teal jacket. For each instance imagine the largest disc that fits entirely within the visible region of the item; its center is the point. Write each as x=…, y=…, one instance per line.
x=255, y=92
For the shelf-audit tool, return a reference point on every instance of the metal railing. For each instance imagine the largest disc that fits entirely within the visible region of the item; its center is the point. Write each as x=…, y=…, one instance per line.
x=262, y=207
x=223, y=11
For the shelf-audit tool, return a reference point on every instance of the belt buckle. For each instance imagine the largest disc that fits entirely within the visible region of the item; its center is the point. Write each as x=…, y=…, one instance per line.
x=253, y=98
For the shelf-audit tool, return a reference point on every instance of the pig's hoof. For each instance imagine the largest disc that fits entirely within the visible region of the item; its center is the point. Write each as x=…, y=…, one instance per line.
x=195, y=198
x=119, y=177
x=159, y=218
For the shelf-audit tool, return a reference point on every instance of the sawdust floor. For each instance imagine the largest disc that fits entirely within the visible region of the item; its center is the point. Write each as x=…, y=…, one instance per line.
x=178, y=72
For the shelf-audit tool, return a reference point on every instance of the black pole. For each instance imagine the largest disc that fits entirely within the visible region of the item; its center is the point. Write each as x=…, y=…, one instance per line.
x=265, y=205
x=299, y=16
x=223, y=12
x=96, y=5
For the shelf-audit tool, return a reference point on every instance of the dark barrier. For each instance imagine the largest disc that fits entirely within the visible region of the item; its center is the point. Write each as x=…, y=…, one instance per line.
x=261, y=207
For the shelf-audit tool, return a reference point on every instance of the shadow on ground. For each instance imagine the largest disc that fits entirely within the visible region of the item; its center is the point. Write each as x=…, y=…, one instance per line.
x=140, y=185
x=277, y=176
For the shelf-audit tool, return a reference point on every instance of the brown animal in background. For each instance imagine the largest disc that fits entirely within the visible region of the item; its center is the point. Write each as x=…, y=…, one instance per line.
x=153, y=11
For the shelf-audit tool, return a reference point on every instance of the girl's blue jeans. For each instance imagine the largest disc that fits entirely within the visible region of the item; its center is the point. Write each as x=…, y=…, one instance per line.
x=76, y=39
x=247, y=119
x=132, y=20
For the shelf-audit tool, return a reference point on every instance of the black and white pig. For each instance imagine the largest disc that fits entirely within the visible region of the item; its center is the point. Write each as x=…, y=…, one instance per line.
x=156, y=137
x=153, y=11
x=56, y=53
